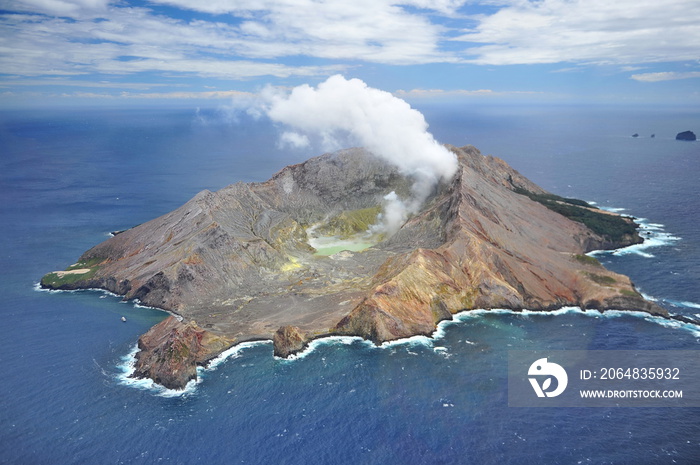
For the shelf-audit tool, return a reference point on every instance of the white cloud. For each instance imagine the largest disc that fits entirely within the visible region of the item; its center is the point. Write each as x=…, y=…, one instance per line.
x=588, y=31
x=77, y=9
x=428, y=93
x=224, y=69
x=67, y=8
x=448, y=93
x=127, y=95
x=133, y=40
x=214, y=94
x=62, y=82
x=369, y=30
x=376, y=119
x=294, y=139
x=631, y=68
x=247, y=6
x=109, y=37
x=665, y=76
x=248, y=39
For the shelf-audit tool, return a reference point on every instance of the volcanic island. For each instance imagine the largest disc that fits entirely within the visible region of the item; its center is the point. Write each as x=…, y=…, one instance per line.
x=296, y=258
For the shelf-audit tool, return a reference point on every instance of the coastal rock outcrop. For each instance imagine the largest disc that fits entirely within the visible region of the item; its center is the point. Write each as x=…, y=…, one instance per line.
x=171, y=351
x=289, y=340
x=686, y=135
x=238, y=264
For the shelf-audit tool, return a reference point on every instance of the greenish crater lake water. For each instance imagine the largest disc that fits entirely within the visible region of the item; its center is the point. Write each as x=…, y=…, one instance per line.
x=329, y=245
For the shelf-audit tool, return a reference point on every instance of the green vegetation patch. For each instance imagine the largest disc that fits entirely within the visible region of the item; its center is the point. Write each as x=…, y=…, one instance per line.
x=614, y=227
x=349, y=223
x=587, y=260
x=545, y=198
x=90, y=263
x=629, y=293
x=81, y=271
x=57, y=280
x=602, y=279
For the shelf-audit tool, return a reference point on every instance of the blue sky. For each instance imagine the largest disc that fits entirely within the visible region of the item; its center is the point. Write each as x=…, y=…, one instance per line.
x=184, y=51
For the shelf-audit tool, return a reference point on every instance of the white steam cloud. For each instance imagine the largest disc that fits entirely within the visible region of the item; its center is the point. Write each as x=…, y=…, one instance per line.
x=386, y=125
x=293, y=139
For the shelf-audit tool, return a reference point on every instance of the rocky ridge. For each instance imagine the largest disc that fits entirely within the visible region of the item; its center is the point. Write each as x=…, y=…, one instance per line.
x=236, y=265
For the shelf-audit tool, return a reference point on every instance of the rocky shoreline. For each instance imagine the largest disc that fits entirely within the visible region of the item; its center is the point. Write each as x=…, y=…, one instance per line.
x=236, y=265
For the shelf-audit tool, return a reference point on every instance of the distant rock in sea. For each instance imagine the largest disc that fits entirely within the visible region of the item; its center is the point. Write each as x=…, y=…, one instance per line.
x=686, y=135
x=635, y=135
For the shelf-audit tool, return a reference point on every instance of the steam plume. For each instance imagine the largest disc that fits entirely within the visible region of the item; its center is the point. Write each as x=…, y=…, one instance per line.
x=385, y=125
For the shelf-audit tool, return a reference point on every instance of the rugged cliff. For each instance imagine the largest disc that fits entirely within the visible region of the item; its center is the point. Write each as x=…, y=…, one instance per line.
x=238, y=264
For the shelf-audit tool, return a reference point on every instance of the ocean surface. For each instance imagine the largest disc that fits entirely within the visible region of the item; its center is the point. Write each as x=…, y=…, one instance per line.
x=69, y=177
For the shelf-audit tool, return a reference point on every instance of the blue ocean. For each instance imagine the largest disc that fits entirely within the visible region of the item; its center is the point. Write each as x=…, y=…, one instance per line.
x=69, y=177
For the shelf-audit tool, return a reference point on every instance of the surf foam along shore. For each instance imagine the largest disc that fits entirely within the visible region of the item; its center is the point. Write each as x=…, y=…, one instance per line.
x=653, y=235
x=127, y=369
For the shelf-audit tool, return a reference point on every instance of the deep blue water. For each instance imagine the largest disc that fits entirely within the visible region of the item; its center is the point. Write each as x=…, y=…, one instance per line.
x=67, y=178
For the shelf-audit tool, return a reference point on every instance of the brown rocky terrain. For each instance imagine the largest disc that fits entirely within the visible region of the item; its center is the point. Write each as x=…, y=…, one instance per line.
x=237, y=264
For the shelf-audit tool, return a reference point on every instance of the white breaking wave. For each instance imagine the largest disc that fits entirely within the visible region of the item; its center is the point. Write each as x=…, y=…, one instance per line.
x=682, y=303
x=38, y=288
x=328, y=340
x=654, y=235
x=694, y=329
x=675, y=324
x=675, y=303
x=418, y=340
x=232, y=353
x=135, y=302
x=127, y=368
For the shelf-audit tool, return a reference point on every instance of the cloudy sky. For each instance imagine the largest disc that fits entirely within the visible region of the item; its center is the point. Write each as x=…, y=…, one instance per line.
x=96, y=51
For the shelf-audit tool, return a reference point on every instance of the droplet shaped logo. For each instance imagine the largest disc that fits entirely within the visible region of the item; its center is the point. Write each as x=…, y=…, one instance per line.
x=544, y=370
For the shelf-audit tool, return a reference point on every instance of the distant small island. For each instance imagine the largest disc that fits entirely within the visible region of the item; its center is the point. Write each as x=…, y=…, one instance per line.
x=258, y=261
x=686, y=135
